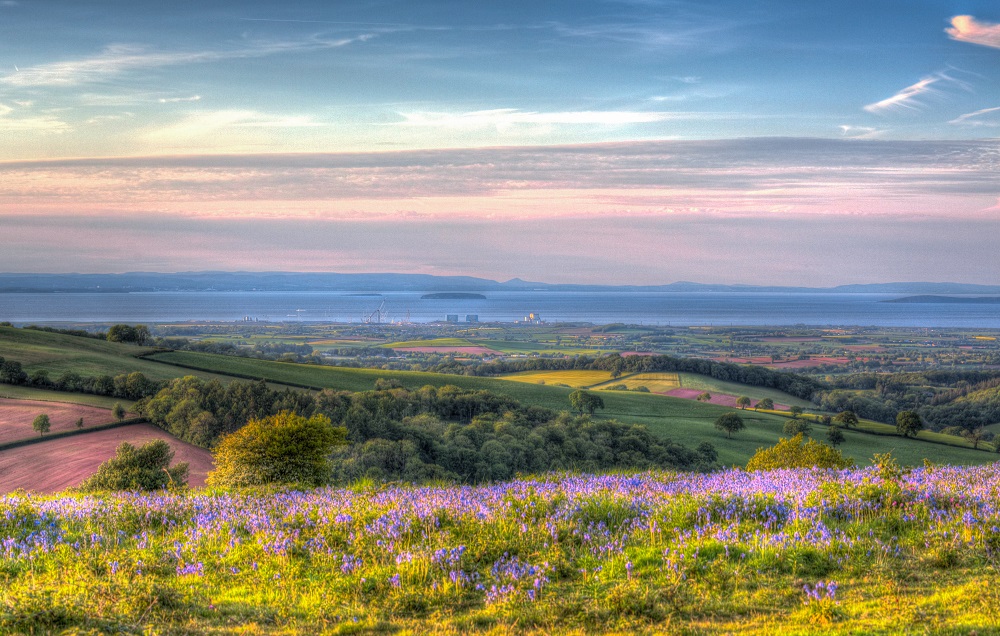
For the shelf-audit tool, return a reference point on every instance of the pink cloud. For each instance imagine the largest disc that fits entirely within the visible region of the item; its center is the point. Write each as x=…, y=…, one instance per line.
x=965, y=28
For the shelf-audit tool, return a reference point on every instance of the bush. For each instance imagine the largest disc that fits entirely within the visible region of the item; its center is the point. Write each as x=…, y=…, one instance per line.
x=797, y=453
x=282, y=448
x=144, y=468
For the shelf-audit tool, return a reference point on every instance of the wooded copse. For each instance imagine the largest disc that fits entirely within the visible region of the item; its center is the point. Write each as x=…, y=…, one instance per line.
x=426, y=434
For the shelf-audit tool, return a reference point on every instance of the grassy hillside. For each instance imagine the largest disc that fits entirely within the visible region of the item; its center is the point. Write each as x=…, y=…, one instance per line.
x=685, y=421
x=866, y=551
x=43, y=395
x=705, y=383
x=58, y=353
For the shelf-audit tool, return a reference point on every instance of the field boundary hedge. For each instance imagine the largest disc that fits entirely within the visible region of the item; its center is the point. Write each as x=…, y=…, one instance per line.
x=83, y=431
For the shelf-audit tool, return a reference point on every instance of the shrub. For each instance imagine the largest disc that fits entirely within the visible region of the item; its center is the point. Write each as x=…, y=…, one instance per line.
x=282, y=448
x=797, y=453
x=144, y=468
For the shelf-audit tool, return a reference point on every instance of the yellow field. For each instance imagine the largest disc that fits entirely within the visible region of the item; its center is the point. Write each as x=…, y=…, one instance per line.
x=655, y=382
x=576, y=379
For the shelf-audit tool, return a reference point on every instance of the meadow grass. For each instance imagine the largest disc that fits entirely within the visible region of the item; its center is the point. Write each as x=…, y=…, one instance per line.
x=43, y=395
x=59, y=353
x=876, y=550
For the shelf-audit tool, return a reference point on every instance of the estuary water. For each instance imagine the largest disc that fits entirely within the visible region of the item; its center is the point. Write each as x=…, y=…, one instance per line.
x=650, y=308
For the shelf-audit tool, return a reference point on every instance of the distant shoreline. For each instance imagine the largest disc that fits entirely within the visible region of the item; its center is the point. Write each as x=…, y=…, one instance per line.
x=452, y=296
x=948, y=300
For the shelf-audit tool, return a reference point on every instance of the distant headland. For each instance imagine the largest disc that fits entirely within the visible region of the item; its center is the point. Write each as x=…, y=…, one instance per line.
x=452, y=296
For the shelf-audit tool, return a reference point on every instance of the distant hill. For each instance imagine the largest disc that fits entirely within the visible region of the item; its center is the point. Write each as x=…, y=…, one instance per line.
x=385, y=282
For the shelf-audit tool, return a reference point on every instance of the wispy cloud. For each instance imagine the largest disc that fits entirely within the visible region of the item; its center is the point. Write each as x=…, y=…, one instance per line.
x=859, y=132
x=14, y=120
x=706, y=35
x=915, y=96
x=976, y=118
x=174, y=100
x=966, y=28
x=506, y=117
x=731, y=177
x=121, y=58
x=202, y=125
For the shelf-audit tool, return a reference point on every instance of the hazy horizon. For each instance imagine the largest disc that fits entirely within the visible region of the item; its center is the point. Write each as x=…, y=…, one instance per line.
x=592, y=142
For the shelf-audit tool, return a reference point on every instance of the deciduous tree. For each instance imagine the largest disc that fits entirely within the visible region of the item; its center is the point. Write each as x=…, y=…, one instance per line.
x=847, y=418
x=584, y=402
x=42, y=424
x=835, y=436
x=795, y=426
x=908, y=423
x=730, y=423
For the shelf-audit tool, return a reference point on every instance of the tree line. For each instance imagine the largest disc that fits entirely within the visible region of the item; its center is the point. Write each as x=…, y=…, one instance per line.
x=128, y=386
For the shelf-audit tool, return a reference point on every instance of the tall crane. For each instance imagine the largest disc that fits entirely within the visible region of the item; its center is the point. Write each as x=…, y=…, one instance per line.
x=377, y=315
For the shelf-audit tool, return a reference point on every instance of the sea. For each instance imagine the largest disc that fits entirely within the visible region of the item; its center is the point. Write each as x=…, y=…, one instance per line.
x=639, y=308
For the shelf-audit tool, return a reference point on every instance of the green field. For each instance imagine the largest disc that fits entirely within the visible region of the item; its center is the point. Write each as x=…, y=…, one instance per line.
x=686, y=421
x=434, y=342
x=542, y=347
x=42, y=395
x=705, y=383
x=58, y=353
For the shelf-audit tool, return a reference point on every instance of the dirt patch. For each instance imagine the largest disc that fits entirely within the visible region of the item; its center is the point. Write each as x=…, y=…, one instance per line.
x=722, y=399
x=16, y=417
x=58, y=464
x=476, y=351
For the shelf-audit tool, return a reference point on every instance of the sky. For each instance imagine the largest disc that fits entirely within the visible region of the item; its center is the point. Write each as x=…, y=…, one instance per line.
x=589, y=141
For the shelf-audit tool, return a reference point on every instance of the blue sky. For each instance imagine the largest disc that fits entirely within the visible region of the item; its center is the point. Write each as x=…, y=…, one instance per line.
x=637, y=120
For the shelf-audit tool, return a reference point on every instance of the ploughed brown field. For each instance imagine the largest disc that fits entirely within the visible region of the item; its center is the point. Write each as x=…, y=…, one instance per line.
x=16, y=417
x=55, y=465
